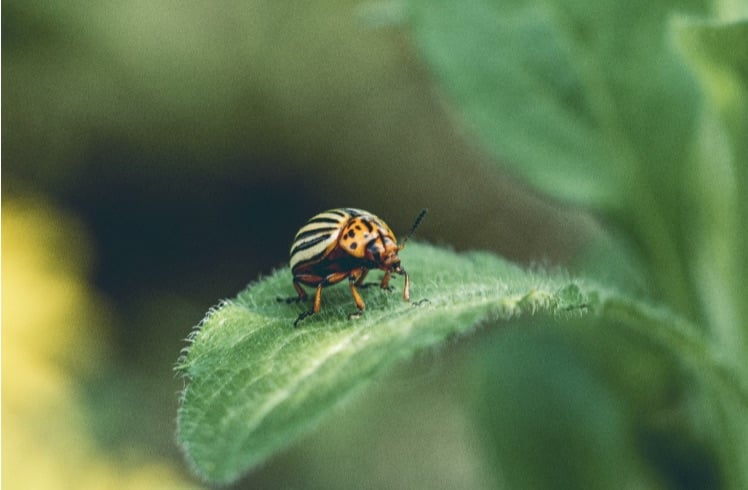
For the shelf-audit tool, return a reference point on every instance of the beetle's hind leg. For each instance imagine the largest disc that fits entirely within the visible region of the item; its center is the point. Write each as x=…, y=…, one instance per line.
x=301, y=317
x=302, y=296
x=315, y=306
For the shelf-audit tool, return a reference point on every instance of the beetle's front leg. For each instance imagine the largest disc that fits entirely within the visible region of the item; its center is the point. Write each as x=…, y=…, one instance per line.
x=360, y=282
x=353, y=280
x=385, y=284
x=406, y=289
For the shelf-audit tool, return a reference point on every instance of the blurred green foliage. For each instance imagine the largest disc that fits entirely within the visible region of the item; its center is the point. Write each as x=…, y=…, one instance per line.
x=636, y=111
x=595, y=106
x=189, y=142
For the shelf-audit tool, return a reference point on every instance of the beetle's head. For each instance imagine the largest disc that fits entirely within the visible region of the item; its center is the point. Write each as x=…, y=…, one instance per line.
x=391, y=262
x=385, y=256
x=383, y=252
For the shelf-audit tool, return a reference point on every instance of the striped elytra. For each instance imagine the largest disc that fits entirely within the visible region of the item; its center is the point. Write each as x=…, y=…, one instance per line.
x=345, y=243
x=320, y=235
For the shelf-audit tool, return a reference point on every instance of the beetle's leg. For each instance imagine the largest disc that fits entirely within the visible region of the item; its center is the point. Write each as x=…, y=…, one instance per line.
x=406, y=289
x=299, y=290
x=360, y=280
x=352, y=281
x=360, y=283
x=317, y=303
x=301, y=294
x=315, y=306
x=301, y=317
x=385, y=284
x=356, y=297
x=317, y=299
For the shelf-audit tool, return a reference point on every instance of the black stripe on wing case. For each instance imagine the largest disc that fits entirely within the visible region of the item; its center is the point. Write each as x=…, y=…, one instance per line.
x=309, y=243
x=310, y=260
x=324, y=220
x=316, y=231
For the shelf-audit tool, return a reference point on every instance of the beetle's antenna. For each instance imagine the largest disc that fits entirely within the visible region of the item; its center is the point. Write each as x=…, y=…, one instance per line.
x=413, y=228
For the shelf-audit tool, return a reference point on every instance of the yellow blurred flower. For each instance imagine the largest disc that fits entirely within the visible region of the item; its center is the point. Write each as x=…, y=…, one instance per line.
x=54, y=331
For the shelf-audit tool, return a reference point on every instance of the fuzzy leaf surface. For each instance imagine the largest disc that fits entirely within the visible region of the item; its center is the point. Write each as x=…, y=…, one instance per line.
x=256, y=383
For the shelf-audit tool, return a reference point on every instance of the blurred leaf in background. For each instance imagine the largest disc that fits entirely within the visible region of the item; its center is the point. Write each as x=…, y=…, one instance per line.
x=595, y=105
x=190, y=141
x=586, y=103
x=308, y=106
x=636, y=111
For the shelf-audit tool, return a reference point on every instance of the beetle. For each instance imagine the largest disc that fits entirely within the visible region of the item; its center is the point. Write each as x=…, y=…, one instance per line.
x=345, y=243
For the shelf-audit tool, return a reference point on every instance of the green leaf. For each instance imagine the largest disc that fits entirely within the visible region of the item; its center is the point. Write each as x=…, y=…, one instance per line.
x=549, y=419
x=715, y=51
x=719, y=174
x=563, y=408
x=587, y=101
x=256, y=383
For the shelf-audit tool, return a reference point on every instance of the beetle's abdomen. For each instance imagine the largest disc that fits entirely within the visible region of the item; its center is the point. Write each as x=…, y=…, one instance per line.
x=315, y=273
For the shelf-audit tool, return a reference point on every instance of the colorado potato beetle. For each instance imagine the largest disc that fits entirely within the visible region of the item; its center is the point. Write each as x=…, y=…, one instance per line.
x=345, y=243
